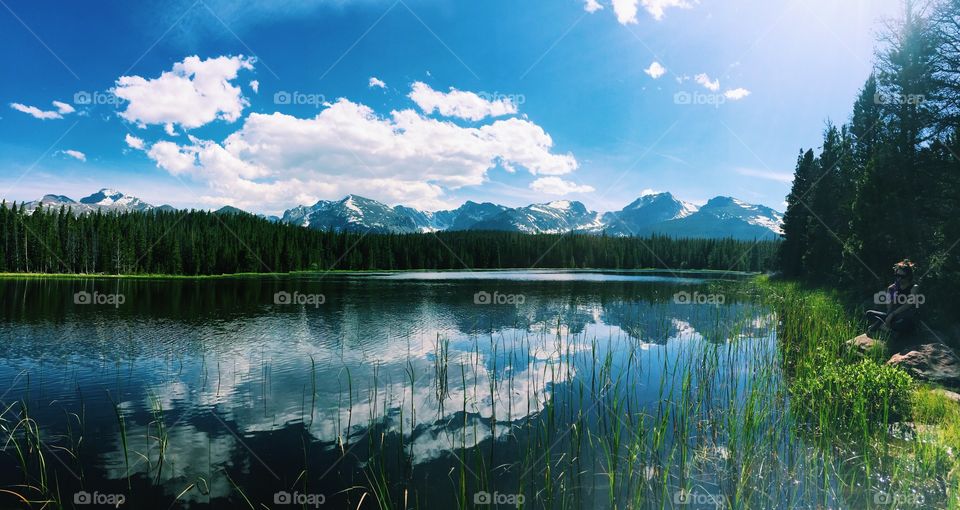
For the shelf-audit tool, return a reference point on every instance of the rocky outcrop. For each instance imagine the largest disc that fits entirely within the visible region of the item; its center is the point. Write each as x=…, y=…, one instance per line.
x=934, y=362
x=923, y=354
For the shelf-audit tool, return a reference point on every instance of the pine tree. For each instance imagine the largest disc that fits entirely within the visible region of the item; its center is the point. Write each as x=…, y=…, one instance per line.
x=797, y=217
x=824, y=244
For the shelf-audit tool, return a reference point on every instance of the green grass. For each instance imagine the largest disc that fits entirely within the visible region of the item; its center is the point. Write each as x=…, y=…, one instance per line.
x=857, y=399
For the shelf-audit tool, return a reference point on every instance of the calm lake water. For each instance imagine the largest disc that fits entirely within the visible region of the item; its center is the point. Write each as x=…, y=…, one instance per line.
x=413, y=390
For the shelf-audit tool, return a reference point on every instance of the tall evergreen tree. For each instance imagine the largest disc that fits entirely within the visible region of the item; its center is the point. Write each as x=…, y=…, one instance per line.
x=797, y=217
x=824, y=246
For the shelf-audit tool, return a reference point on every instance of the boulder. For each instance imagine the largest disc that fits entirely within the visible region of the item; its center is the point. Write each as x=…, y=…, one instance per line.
x=954, y=396
x=934, y=362
x=865, y=343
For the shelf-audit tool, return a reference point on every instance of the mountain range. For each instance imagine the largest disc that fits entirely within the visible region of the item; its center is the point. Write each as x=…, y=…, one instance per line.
x=653, y=213
x=106, y=200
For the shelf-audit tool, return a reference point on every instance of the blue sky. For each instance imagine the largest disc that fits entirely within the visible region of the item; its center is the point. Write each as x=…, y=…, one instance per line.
x=202, y=103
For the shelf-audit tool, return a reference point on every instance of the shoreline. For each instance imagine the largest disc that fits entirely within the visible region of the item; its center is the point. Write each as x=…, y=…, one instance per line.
x=100, y=276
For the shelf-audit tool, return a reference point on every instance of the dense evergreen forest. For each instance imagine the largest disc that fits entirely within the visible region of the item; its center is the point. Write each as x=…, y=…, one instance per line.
x=886, y=185
x=202, y=243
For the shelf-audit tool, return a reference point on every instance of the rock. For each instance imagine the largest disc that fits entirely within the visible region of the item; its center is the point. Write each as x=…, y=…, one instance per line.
x=933, y=362
x=864, y=343
x=952, y=395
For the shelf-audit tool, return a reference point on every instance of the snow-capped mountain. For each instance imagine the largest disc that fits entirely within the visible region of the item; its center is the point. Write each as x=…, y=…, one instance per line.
x=464, y=217
x=56, y=202
x=115, y=201
x=426, y=221
x=652, y=213
x=659, y=213
x=106, y=200
x=644, y=212
x=554, y=217
x=352, y=213
x=468, y=215
x=732, y=217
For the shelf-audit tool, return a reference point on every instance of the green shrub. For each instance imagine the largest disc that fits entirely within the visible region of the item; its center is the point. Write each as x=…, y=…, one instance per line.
x=846, y=393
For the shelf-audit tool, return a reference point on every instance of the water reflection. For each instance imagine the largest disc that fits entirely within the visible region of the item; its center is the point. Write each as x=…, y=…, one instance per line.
x=193, y=388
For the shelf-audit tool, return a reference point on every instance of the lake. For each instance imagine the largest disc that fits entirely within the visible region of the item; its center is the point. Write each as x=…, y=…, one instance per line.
x=534, y=389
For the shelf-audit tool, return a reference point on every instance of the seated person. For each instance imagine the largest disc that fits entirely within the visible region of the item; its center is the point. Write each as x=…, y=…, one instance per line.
x=902, y=299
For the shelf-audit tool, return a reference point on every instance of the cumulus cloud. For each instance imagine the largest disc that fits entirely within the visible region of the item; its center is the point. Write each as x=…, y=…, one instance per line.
x=377, y=82
x=736, y=94
x=558, y=186
x=61, y=110
x=591, y=6
x=656, y=70
x=707, y=83
x=277, y=159
x=194, y=93
x=134, y=142
x=657, y=8
x=626, y=10
x=255, y=85
x=458, y=103
x=79, y=156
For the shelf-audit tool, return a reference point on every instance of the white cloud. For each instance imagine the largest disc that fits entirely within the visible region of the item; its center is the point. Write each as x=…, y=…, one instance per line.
x=255, y=85
x=275, y=160
x=63, y=108
x=75, y=154
x=656, y=70
x=460, y=104
x=377, y=82
x=736, y=94
x=626, y=10
x=135, y=142
x=591, y=6
x=558, y=186
x=37, y=113
x=768, y=175
x=707, y=82
x=169, y=157
x=657, y=8
x=194, y=93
